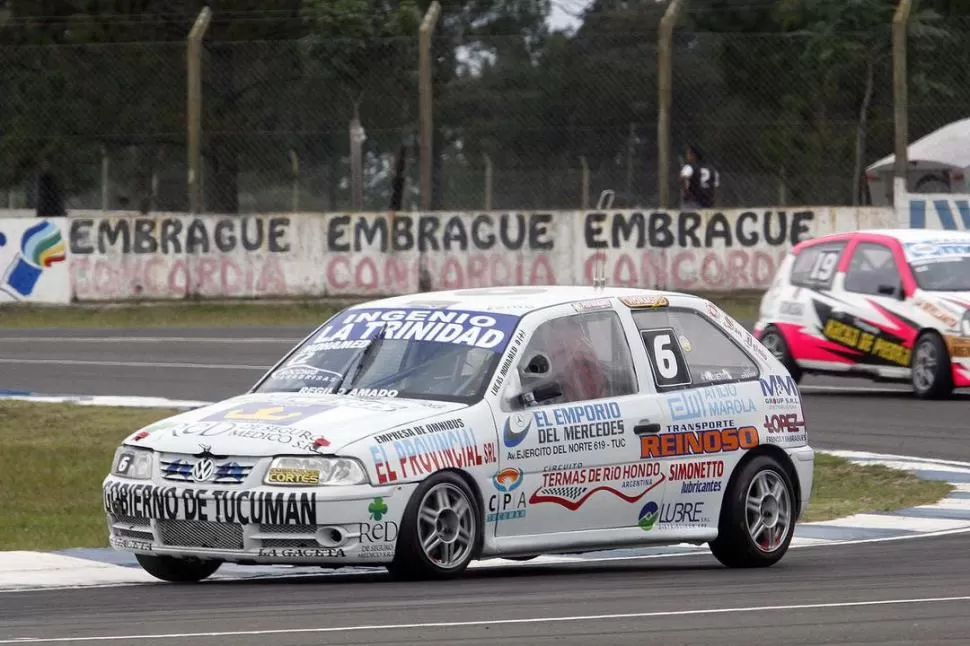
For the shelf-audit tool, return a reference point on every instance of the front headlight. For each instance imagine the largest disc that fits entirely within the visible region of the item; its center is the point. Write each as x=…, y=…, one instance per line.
x=132, y=463
x=315, y=472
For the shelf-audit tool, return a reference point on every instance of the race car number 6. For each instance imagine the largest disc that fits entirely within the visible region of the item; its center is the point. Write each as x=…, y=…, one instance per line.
x=666, y=360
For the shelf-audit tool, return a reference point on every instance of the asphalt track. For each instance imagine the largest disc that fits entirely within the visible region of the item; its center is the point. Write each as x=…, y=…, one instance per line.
x=893, y=592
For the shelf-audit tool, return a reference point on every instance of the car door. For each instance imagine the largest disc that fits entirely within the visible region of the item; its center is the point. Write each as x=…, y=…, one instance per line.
x=709, y=388
x=810, y=289
x=865, y=322
x=568, y=456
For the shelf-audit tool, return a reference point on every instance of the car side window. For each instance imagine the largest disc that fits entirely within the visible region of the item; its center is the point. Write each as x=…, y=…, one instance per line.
x=815, y=266
x=685, y=349
x=872, y=270
x=588, y=356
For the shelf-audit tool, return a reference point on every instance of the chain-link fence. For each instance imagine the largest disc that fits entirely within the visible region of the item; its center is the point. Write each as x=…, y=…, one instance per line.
x=525, y=121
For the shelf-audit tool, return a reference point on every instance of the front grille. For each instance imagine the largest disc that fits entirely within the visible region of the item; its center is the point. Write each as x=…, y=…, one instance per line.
x=185, y=533
x=287, y=529
x=228, y=472
x=142, y=535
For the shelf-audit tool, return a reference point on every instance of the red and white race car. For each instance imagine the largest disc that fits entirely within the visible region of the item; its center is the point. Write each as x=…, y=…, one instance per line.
x=890, y=305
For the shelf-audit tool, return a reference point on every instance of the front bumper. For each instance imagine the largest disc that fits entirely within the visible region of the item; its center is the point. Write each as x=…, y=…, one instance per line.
x=284, y=525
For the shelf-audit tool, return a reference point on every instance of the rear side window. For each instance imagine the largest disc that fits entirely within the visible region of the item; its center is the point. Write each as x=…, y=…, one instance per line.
x=687, y=350
x=815, y=266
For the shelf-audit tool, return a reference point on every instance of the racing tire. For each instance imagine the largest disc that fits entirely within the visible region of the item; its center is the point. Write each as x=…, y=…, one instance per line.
x=758, y=536
x=931, y=374
x=441, y=531
x=177, y=570
x=774, y=341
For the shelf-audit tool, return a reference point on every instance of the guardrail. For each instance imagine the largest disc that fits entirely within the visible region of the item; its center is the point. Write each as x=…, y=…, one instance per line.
x=93, y=256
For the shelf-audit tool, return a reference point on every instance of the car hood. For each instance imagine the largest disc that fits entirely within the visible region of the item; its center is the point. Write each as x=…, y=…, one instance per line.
x=283, y=423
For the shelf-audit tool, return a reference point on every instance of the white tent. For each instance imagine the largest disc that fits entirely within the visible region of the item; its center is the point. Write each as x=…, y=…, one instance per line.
x=937, y=164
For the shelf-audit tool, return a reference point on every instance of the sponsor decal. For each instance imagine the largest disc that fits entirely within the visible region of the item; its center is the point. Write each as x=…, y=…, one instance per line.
x=277, y=475
x=959, y=347
x=302, y=552
x=787, y=423
x=713, y=401
x=645, y=301
x=422, y=450
x=377, y=508
x=516, y=429
x=866, y=339
x=377, y=538
x=697, y=470
x=935, y=249
x=507, y=479
x=566, y=429
x=593, y=306
x=706, y=486
x=947, y=318
x=130, y=544
x=294, y=438
x=678, y=515
x=486, y=330
x=242, y=507
x=269, y=413
x=506, y=365
x=506, y=505
x=779, y=390
x=791, y=308
x=572, y=488
x=648, y=516
x=722, y=440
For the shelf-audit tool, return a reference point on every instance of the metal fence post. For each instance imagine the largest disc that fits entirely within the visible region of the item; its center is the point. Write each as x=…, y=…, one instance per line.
x=193, y=119
x=900, y=100
x=426, y=101
x=664, y=93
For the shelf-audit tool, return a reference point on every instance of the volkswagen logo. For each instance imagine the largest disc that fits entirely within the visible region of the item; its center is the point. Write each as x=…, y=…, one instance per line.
x=203, y=469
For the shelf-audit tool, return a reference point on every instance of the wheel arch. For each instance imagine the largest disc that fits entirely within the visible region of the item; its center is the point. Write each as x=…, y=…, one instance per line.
x=784, y=461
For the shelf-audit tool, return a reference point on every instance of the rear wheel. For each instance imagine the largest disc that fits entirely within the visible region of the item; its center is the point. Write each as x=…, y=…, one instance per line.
x=440, y=532
x=177, y=570
x=757, y=516
x=775, y=342
x=930, y=370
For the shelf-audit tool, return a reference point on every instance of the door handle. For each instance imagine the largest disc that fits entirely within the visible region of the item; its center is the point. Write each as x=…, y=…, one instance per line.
x=646, y=429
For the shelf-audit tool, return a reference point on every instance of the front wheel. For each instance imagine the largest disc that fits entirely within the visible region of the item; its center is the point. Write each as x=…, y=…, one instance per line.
x=440, y=530
x=177, y=570
x=775, y=343
x=930, y=370
x=757, y=516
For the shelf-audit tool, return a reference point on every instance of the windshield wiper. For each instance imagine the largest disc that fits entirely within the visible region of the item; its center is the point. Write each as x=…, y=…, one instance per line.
x=366, y=357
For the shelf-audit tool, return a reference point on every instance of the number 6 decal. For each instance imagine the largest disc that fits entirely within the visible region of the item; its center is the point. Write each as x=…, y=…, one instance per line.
x=666, y=359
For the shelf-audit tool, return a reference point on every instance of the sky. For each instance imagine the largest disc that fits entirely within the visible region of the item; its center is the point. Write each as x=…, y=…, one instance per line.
x=564, y=12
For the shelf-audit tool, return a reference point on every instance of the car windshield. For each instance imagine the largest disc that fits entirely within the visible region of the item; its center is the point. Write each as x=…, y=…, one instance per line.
x=418, y=353
x=943, y=274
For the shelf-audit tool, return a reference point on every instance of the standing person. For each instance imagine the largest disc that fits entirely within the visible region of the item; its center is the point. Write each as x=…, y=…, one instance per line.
x=50, y=201
x=700, y=181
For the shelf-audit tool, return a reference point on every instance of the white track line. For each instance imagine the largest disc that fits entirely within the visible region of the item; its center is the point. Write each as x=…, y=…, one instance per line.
x=133, y=364
x=496, y=622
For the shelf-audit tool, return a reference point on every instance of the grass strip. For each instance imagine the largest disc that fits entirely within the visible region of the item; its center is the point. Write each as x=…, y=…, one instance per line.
x=53, y=458
x=743, y=307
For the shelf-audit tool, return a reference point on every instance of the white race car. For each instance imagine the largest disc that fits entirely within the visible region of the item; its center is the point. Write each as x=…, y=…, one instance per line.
x=889, y=305
x=422, y=432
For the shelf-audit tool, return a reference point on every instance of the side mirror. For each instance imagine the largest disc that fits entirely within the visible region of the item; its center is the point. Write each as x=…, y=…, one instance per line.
x=538, y=365
x=541, y=394
x=895, y=291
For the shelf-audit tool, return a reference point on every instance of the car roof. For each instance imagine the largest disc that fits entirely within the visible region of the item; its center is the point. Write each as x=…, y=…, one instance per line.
x=518, y=299
x=902, y=235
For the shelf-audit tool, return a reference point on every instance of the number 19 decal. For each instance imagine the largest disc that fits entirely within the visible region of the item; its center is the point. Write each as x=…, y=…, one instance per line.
x=666, y=359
